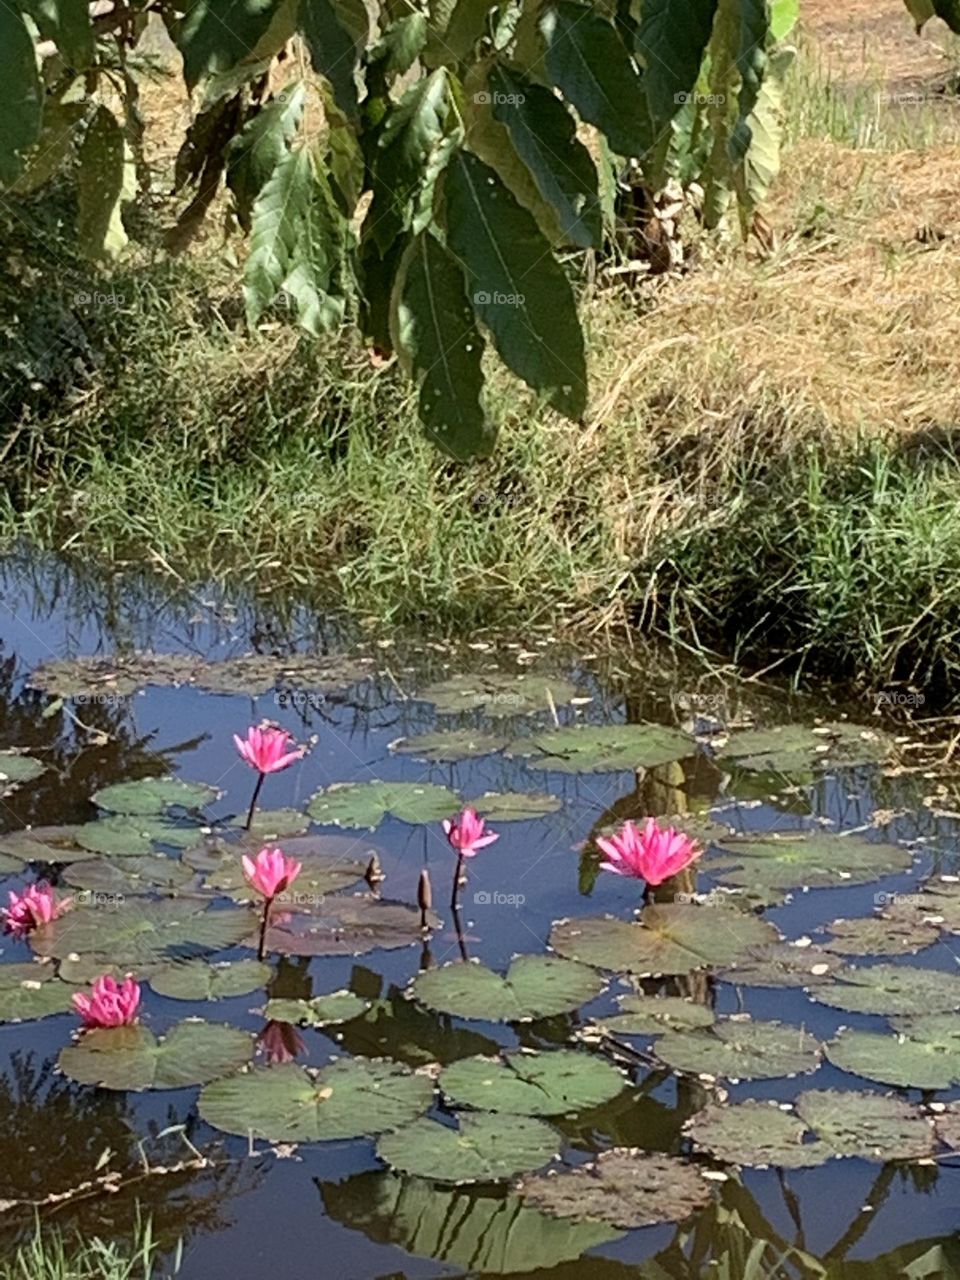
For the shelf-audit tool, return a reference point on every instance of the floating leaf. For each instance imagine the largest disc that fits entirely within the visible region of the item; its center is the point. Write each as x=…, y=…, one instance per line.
x=329, y=863
x=515, y=806
x=205, y=980
x=605, y=748
x=783, y=965
x=756, y=1133
x=456, y=744
x=881, y=936
x=536, y=986
x=796, y=748
x=643, y=1015
x=891, y=989
x=269, y=824
x=29, y=991
x=741, y=1050
x=124, y=835
x=366, y=804
x=79, y=970
x=670, y=939
x=349, y=1098
x=154, y=795
x=485, y=1148
x=16, y=768
x=40, y=844
x=815, y=861
x=869, y=1126
x=498, y=693
x=625, y=1187
x=924, y=1055
x=321, y=1011
x=141, y=931
x=532, y=1084
x=947, y=1125
x=348, y=927
x=151, y=874
x=133, y=1058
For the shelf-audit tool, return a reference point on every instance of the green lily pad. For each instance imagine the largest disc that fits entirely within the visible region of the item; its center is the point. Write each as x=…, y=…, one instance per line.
x=349, y=1098
x=271, y=824
x=366, y=804
x=793, y=748
x=348, y=927
x=536, y=986
x=485, y=1148
x=515, y=806
x=80, y=970
x=29, y=991
x=815, y=861
x=624, y=1187
x=133, y=1058
x=144, y=796
x=329, y=863
x=924, y=1055
x=206, y=980
x=610, y=748
x=127, y=835
x=449, y=747
x=881, y=936
x=16, y=768
x=532, y=1084
x=891, y=989
x=40, y=844
x=939, y=903
x=947, y=1125
x=643, y=1015
x=141, y=931
x=756, y=1133
x=321, y=1011
x=870, y=1126
x=131, y=876
x=498, y=693
x=783, y=965
x=741, y=1050
x=671, y=939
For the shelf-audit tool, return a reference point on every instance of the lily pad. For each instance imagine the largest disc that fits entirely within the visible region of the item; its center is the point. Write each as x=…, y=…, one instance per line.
x=127, y=835
x=143, y=796
x=498, y=693
x=485, y=1148
x=79, y=970
x=816, y=861
x=610, y=748
x=206, y=980
x=625, y=1187
x=870, y=1126
x=41, y=844
x=881, y=936
x=532, y=1084
x=349, y=1098
x=924, y=1055
x=271, y=824
x=449, y=747
x=741, y=1050
x=515, y=806
x=758, y=1134
x=133, y=1058
x=782, y=964
x=891, y=989
x=329, y=863
x=797, y=748
x=947, y=1125
x=642, y=1015
x=151, y=874
x=321, y=1011
x=348, y=927
x=366, y=804
x=671, y=939
x=536, y=986
x=29, y=991
x=141, y=930
x=16, y=768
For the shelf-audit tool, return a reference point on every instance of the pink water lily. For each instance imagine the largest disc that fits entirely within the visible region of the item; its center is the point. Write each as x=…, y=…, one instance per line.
x=653, y=854
x=280, y=1042
x=466, y=833
x=266, y=750
x=110, y=1003
x=27, y=911
x=271, y=872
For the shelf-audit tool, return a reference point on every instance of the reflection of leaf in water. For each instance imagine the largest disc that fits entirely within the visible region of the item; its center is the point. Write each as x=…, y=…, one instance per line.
x=479, y=1231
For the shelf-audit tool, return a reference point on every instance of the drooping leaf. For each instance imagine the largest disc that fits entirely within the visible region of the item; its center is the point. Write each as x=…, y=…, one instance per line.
x=891, y=989
x=760, y=162
x=401, y=43
x=758, y=1134
x=517, y=287
x=535, y=986
x=106, y=181
x=532, y=1084
x=923, y=1054
x=321, y=1011
x=147, y=796
x=132, y=1058
x=258, y=148
x=643, y=1015
x=604, y=748
x=813, y=860
x=67, y=24
x=21, y=96
x=333, y=50
x=214, y=35
x=206, y=980
x=29, y=991
x=485, y=1148
x=347, y=1099
x=366, y=804
x=497, y=693
x=741, y=1050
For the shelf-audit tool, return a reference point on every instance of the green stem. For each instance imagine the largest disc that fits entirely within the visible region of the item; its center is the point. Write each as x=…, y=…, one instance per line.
x=253, y=802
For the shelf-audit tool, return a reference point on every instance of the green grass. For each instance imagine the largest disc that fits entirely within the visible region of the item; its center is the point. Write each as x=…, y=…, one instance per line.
x=50, y=1255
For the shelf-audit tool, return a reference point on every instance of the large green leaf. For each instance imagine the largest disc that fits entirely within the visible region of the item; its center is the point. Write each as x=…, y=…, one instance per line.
x=124, y=1058
x=497, y=693
x=606, y=748
x=146, y=874
x=741, y=1050
x=760, y=164
x=590, y=65
x=141, y=931
x=259, y=147
x=21, y=96
x=347, y=927
x=40, y=844
x=885, y=935
x=545, y=137
x=790, y=748
x=869, y=1126
x=321, y=1011
x=29, y=991
x=532, y=1084
x=154, y=795
x=485, y=1148
x=328, y=863
x=106, y=181
x=812, y=860
x=643, y=1015
x=536, y=986
x=517, y=287
x=671, y=41
x=204, y=980
x=923, y=1054
x=891, y=989
x=756, y=1133
x=214, y=35
x=67, y=24
x=447, y=746
x=366, y=804
x=132, y=835
x=16, y=768
x=333, y=50
x=783, y=964
x=438, y=340
x=347, y=1099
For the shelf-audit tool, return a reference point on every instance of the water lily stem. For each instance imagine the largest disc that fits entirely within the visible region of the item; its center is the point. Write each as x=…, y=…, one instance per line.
x=459, y=880
x=267, y=904
x=253, y=802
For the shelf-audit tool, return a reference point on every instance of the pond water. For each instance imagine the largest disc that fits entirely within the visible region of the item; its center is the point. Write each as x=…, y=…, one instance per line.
x=384, y=1170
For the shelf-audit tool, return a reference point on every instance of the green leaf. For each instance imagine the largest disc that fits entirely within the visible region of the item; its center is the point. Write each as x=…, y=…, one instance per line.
x=349, y=1098
x=643, y=1015
x=67, y=24
x=329, y=863
x=515, y=806
x=106, y=181
x=792, y=748
x=56, y=143
x=517, y=287
x=590, y=65
x=741, y=1050
x=205, y=980
x=150, y=873
x=132, y=1058
x=760, y=163
x=446, y=746
x=333, y=50
x=441, y=347
x=258, y=148
x=815, y=861
x=532, y=1084
x=671, y=41
x=141, y=931
x=625, y=1187
x=869, y=1126
x=131, y=835
x=891, y=989
x=536, y=986
x=485, y=1148
x=294, y=243
x=782, y=964
x=923, y=1054
x=402, y=43
x=886, y=935
x=606, y=748
x=16, y=768
x=214, y=35
x=758, y=1134
x=321, y=1011
x=21, y=96
x=40, y=844
x=545, y=137
x=497, y=693
x=154, y=795
x=348, y=927
x=29, y=991
x=923, y=10
x=366, y=804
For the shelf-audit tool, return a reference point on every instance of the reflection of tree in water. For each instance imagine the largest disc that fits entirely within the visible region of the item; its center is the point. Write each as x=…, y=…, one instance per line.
x=57, y=1136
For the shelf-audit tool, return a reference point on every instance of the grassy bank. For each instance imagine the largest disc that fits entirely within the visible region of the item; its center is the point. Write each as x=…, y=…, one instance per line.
x=769, y=464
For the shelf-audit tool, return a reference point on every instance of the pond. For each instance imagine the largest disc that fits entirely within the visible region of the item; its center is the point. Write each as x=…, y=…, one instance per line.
x=748, y=1070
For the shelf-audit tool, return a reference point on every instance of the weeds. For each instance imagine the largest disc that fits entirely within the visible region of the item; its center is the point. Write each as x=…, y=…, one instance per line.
x=50, y=1255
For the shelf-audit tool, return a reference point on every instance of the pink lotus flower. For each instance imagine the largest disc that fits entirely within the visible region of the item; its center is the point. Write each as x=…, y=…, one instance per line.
x=110, y=1004
x=466, y=833
x=280, y=1042
x=27, y=911
x=653, y=854
x=266, y=749
x=272, y=872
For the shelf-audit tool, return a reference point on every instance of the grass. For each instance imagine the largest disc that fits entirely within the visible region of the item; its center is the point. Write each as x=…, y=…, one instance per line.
x=767, y=467
x=51, y=1255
